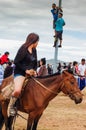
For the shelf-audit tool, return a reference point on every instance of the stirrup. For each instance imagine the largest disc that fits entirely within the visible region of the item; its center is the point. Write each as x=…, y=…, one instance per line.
x=13, y=111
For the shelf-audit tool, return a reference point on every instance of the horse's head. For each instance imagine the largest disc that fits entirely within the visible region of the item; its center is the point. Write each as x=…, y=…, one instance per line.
x=70, y=87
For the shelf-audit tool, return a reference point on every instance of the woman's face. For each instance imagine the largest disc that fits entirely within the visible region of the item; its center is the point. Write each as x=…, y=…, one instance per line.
x=41, y=62
x=35, y=44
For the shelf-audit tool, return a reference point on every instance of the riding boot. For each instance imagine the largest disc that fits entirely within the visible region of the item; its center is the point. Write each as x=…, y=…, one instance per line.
x=11, y=107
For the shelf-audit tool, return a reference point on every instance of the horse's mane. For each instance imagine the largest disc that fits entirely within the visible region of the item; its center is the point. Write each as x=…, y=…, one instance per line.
x=51, y=75
x=47, y=76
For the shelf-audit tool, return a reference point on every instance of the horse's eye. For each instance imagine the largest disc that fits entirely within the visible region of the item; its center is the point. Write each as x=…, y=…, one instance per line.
x=72, y=82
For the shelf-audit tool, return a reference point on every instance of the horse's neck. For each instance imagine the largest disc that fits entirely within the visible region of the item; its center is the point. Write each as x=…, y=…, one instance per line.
x=54, y=82
x=41, y=91
x=53, y=85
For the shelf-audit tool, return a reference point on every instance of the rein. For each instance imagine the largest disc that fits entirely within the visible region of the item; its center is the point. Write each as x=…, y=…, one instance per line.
x=43, y=86
x=21, y=116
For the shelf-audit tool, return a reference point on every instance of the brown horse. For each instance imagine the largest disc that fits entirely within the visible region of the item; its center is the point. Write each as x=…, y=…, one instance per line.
x=37, y=94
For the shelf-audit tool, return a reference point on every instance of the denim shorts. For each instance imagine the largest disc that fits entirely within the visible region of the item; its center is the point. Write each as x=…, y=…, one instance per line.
x=16, y=75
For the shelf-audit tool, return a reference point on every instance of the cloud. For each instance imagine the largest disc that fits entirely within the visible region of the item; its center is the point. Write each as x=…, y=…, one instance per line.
x=68, y=52
x=20, y=17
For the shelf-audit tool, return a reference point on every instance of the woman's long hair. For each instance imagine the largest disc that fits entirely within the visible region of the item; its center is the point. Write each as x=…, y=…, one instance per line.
x=31, y=39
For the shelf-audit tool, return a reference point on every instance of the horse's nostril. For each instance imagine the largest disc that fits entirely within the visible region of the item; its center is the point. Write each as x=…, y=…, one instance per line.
x=80, y=99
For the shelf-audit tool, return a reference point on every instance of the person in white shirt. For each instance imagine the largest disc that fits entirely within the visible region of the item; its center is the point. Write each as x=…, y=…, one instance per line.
x=82, y=74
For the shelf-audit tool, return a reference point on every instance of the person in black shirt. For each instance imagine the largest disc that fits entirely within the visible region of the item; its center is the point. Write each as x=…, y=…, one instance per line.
x=8, y=70
x=50, y=69
x=25, y=63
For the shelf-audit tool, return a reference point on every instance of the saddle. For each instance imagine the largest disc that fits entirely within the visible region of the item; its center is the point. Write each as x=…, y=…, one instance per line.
x=7, y=87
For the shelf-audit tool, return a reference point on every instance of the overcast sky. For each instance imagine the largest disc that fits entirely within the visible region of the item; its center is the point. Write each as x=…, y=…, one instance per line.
x=18, y=18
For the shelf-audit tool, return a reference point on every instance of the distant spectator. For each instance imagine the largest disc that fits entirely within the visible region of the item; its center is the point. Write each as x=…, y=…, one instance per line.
x=64, y=66
x=59, y=68
x=13, y=65
x=4, y=59
x=50, y=69
x=1, y=74
x=42, y=70
x=82, y=74
x=82, y=68
x=75, y=68
x=8, y=70
x=70, y=67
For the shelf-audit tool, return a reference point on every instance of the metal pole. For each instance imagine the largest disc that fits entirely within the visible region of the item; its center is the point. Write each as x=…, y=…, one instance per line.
x=60, y=3
x=56, y=48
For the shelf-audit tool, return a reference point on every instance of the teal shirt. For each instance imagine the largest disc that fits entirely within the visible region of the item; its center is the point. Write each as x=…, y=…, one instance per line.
x=59, y=24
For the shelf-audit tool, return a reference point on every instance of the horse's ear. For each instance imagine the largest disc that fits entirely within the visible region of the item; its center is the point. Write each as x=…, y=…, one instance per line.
x=65, y=72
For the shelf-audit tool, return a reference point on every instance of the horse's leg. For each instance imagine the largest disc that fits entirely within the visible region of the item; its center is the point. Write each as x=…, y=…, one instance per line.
x=29, y=123
x=6, y=119
x=36, y=120
x=8, y=123
x=1, y=118
x=33, y=119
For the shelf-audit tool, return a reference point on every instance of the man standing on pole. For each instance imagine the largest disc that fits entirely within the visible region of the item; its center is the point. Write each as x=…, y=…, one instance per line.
x=59, y=29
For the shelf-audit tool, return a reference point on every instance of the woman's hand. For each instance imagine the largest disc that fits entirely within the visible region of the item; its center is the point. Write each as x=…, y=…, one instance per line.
x=31, y=72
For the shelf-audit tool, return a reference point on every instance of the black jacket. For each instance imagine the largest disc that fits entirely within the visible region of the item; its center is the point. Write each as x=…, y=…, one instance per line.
x=24, y=60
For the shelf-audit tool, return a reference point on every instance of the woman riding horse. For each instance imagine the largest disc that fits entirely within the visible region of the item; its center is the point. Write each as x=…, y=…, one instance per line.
x=25, y=63
x=37, y=94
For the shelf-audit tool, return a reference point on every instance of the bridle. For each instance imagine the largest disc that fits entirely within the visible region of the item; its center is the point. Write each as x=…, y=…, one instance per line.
x=63, y=86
